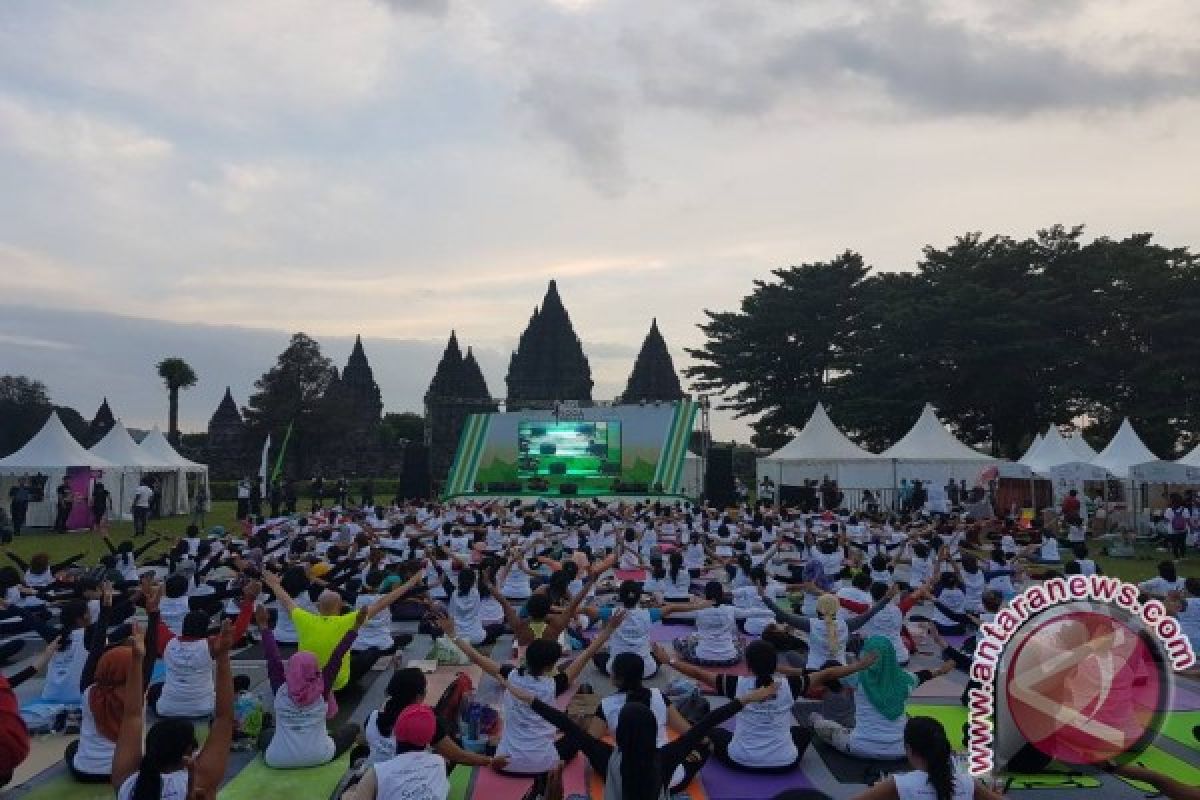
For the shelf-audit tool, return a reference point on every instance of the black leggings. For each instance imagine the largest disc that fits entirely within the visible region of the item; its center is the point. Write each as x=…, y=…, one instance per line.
x=1178, y=544
x=361, y=662
x=721, y=738
x=81, y=777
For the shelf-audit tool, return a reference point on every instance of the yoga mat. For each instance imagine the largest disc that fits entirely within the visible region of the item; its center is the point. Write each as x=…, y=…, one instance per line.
x=851, y=769
x=722, y=783
x=1184, y=699
x=491, y=785
x=461, y=780
x=952, y=719
x=258, y=781
x=694, y=790
x=1178, y=726
x=668, y=633
x=1167, y=764
x=1052, y=780
x=44, y=753
x=64, y=787
x=944, y=687
x=631, y=575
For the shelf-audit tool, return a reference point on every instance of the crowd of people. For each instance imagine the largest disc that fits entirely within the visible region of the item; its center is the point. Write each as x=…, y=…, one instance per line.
x=809, y=607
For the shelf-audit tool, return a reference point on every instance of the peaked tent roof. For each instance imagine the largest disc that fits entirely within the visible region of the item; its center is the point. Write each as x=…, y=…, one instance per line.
x=1125, y=450
x=53, y=447
x=820, y=440
x=929, y=440
x=156, y=447
x=1055, y=449
x=1037, y=442
x=1080, y=446
x=119, y=447
x=1192, y=459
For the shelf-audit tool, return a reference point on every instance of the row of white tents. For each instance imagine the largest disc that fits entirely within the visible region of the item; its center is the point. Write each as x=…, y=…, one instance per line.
x=117, y=460
x=930, y=453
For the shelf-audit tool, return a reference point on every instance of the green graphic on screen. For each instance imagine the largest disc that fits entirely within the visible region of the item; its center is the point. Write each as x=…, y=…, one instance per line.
x=576, y=452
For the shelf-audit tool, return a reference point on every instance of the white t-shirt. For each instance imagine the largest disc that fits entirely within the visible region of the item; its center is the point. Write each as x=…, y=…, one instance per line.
x=915, y=786
x=65, y=669
x=753, y=610
x=1189, y=620
x=377, y=631
x=633, y=636
x=300, y=739
x=174, y=786
x=464, y=610
x=762, y=734
x=818, y=643
x=611, y=708
x=888, y=623
x=95, y=753
x=528, y=740
x=142, y=496
x=1160, y=586
x=716, y=634
x=973, y=585
x=874, y=735
x=419, y=775
x=188, y=688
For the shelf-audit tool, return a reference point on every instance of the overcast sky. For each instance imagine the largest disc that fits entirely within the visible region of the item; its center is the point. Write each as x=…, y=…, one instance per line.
x=402, y=167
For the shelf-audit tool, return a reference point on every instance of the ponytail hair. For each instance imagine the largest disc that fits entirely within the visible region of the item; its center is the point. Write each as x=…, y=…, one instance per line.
x=827, y=607
x=926, y=737
x=466, y=581
x=167, y=743
x=406, y=687
x=676, y=565
x=762, y=659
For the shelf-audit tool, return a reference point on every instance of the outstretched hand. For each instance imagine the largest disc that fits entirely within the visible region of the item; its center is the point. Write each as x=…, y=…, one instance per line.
x=223, y=641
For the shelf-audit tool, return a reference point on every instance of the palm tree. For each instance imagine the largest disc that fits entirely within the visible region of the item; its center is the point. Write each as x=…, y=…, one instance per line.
x=176, y=374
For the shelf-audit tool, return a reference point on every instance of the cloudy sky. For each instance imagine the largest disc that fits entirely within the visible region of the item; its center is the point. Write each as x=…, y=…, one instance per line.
x=202, y=178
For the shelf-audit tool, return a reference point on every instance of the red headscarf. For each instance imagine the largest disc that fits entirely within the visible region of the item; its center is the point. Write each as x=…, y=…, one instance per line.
x=106, y=697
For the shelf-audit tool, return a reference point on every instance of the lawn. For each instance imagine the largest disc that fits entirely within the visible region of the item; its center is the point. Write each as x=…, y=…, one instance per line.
x=61, y=546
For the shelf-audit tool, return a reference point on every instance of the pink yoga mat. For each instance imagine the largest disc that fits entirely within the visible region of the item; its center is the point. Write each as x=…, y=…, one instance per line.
x=631, y=574
x=491, y=785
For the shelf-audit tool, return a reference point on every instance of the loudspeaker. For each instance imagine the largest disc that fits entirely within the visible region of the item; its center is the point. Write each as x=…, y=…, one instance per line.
x=414, y=481
x=567, y=488
x=719, y=488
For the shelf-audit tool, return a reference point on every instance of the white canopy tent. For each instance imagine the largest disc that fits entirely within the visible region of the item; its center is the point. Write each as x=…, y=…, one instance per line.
x=1192, y=459
x=1055, y=449
x=51, y=452
x=174, y=473
x=931, y=454
x=119, y=447
x=1085, y=451
x=1125, y=450
x=1034, y=445
x=821, y=450
x=1165, y=472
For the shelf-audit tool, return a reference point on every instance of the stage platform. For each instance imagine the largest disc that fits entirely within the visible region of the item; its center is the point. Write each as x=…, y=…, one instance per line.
x=531, y=498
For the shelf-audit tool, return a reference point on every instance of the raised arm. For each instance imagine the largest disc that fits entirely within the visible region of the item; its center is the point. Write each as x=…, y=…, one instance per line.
x=128, y=754
x=65, y=563
x=334, y=664
x=16, y=559
x=395, y=594
x=577, y=666
x=662, y=656
x=830, y=674
x=210, y=762
x=795, y=620
x=483, y=662
x=285, y=600
x=140, y=551
x=275, y=671
x=854, y=623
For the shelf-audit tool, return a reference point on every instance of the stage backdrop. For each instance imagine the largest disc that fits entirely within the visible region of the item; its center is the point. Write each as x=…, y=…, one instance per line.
x=592, y=449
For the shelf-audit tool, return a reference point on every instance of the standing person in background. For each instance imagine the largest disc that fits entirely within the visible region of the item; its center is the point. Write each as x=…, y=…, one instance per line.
x=18, y=504
x=289, y=496
x=904, y=495
x=1179, y=523
x=343, y=492
x=65, y=502
x=142, y=497
x=316, y=488
x=368, y=493
x=155, y=497
x=101, y=505
x=200, y=504
x=952, y=493
x=243, y=499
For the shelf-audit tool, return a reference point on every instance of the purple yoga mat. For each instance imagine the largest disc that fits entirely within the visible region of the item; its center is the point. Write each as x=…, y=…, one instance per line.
x=669, y=633
x=722, y=783
x=1184, y=698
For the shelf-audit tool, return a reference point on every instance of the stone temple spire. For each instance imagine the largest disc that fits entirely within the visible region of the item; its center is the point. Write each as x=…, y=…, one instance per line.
x=474, y=383
x=458, y=389
x=549, y=364
x=101, y=424
x=226, y=428
x=448, y=375
x=653, y=377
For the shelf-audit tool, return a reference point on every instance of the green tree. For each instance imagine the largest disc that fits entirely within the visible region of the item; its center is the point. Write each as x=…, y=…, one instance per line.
x=176, y=374
x=776, y=355
x=291, y=393
x=25, y=405
x=404, y=425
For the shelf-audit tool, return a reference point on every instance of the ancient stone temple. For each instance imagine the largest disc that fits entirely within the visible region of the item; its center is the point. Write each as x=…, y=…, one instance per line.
x=101, y=424
x=458, y=389
x=549, y=364
x=653, y=378
x=225, y=450
x=355, y=446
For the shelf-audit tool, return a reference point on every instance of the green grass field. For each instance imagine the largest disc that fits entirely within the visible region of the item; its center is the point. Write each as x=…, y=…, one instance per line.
x=61, y=546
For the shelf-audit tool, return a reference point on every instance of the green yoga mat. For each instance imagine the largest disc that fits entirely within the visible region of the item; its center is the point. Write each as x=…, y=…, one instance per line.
x=258, y=781
x=1178, y=726
x=461, y=780
x=64, y=787
x=952, y=719
x=1167, y=764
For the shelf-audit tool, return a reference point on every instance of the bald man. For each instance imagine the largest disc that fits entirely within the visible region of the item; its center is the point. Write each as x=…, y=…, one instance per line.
x=320, y=633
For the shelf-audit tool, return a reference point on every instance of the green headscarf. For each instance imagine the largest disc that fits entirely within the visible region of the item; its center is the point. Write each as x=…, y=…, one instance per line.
x=886, y=684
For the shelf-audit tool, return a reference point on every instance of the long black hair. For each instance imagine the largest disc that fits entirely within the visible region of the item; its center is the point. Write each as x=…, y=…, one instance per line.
x=762, y=659
x=406, y=687
x=676, y=565
x=167, y=743
x=927, y=738
x=637, y=739
x=626, y=670
x=714, y=592
x=466, y=581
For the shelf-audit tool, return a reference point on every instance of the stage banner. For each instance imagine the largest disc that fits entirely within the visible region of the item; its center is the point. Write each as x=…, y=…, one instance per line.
x=80, y=480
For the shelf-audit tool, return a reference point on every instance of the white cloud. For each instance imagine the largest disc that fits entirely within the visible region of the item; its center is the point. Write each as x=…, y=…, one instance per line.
x=76, y=138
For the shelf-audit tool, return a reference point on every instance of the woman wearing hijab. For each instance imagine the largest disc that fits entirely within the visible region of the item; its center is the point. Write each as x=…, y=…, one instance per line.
x=303, y=702
x=881, y=692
